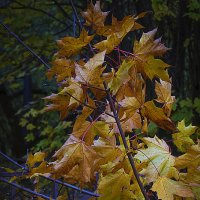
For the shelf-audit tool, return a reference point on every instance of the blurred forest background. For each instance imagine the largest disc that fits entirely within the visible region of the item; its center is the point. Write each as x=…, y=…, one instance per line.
x=23, y=83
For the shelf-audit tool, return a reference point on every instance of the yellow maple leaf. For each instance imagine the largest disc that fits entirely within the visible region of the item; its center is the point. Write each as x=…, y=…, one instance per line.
x=62, y=68
x=152, y=68
x=33, y=159
x=75, y=153
x=182, y=139
x=148, y=46
x=130, y=105
x=167, y=188
x=75, y=91
x=163, y=92
x=114, y=186
x=70, y=46
x=91, y=72
x=37, y=165
x=121, y=28
x=109, y=44
x=94, y=16
x=158, y=156
x=157, y=115
x=59, y=103
x=190, y=161
x=120, y=77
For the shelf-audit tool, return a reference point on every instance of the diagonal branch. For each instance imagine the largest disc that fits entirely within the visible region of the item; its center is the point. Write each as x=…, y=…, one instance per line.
x=112, y=106
x=25, y=45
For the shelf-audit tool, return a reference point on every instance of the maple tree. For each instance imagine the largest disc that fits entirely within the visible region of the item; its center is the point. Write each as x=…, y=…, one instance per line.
x=112, y=100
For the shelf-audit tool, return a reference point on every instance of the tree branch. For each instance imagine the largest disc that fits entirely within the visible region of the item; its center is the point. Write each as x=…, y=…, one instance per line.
x=112, y=106
x=25, y=45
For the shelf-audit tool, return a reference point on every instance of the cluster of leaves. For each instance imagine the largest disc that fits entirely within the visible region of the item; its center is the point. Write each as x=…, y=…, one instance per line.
x=111, y=97
x=186, y=109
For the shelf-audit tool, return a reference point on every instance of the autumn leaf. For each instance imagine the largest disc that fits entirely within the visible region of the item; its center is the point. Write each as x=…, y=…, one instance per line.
x=158, y=156
x=91, y=72
x=109, y=44
x=75, y=92
x=114, y=33
x=191, y=161
x=153, y=68
x=148, y=46
x=70, y=46
x=163, y=92
x=135, y=87
x=157, y=116
x=130, y=105
x=167, y=188
x=38, y=157
x=120, y=28
x=75, y=153
x=94, y=16
x=62, y=68
x=59, y=103
x=37, y=165
x=96, y=61
x=129, y=124
x=114, y=186
x=120, y=77
x=182, y=139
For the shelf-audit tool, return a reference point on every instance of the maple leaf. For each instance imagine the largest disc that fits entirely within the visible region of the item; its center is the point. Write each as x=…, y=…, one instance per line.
x=114, y=33
x=182, y=139
x=120, y=77
x=62, y=68
x=75, y=91
x=148, y=46
x=128, y=125
x=190, y=161
x=70, y=46
x=130, y=105
x=114, y=186
x=158, y=157
x=88, y=130
x=37, y=165
x=152, y=68
x=120, y=28
x=36, y=158
x=91, y=72
x=109, y=44
x=75, y=153
x=163, y=92
x=59, y=103
x=94, y=16
x=107, y=151
x=157, y=115
x=167, y=188
x=135, y=87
